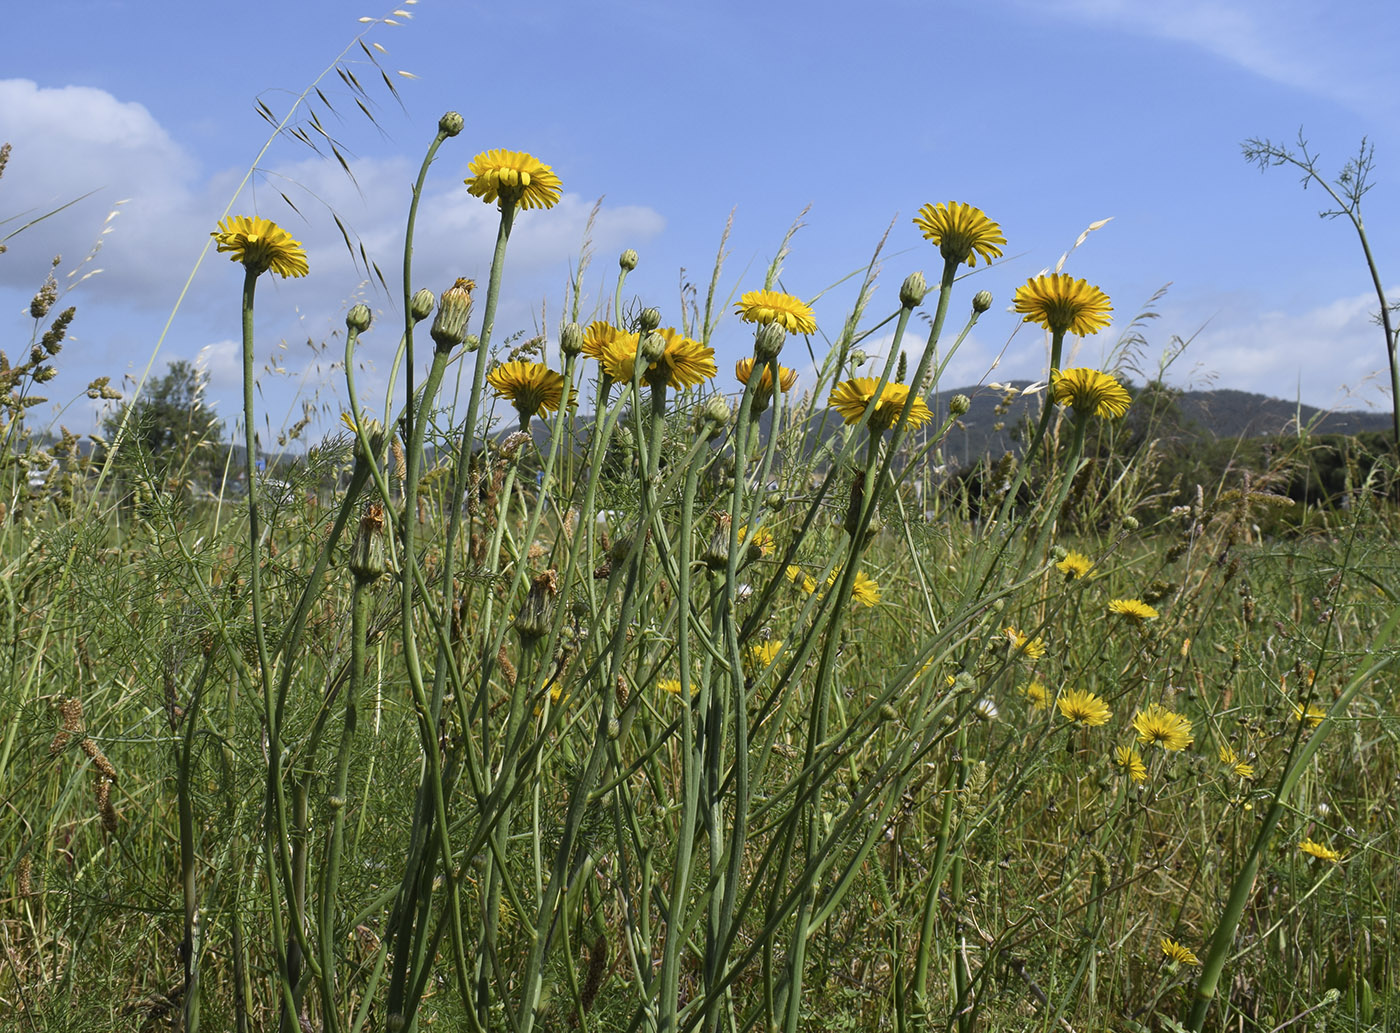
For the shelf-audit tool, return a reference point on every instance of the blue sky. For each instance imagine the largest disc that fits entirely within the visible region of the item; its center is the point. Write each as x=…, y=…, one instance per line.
x=1048, y=115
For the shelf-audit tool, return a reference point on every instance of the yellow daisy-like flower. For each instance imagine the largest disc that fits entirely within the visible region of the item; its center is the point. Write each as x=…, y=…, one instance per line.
x=1321, y=851
x=1037, y=695
x=1178, y=953
x=1083, y=707
x=865, y=590
x=600, y=337
x=532, y=386
x=763, y=307
x=962, y=232
x=1024, y=645
x=787, y=379
x=260, y=245
x=1231, y=760
x=1062, y=304
x=1313, y=715
x=1089, y=393
x=764, y=653
x=1130, y=760
x=802, y=579
x=683, y=364
x=1134, y=610
x=851, y=397
x=762, y=540
x=515, y=177
x=1075, y=565
x=1156, y=724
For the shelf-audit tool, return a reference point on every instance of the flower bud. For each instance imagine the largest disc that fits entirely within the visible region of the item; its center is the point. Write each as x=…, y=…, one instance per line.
x=472, y=343
x=420, y=306
x=712, y=418
x=653, y=345
x=369, y=557
x=537, y=613
x=981, y=301
x=1130, y=523
x=454, y=309
x=358, y=318
x=912, y=291
x=628, y=260
x=650, y=319
x=451, y=123
x=570, y=339
x=768, y=342
x=857, y=358
x=959, y=404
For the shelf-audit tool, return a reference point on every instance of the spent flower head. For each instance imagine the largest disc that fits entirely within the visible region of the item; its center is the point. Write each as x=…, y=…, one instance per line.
x=1062, y=304
x=963, y=233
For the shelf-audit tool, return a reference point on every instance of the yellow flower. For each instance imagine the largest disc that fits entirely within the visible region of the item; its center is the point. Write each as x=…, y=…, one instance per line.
x=1313, y=715
x=764, y=653
x=1134, y=610
x=1089, y=393
x=260, y=245
x=1157, y=724
x=762, y=540
x=961, y=232
x=1083, y=707
x=787, y=379
x=776, y=307
x=1037, y=695
x=1024, y=645
x=1178, y=953
x=1231, y=760
x=684, y=362
x=600, y=337
x=515, y=177
x=1130, y=760
x=1075, y=565
x=1063, y=304
x=532, y=386
x=851, y=397
x=1319, y=850
x=802, y=579
x=865, y=590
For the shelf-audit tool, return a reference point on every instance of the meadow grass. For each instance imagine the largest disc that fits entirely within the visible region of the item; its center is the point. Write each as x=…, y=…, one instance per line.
x=680, y=708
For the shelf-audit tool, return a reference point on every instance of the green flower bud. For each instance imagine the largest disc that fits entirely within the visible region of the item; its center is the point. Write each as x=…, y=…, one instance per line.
x=768, y=342
x=653, y=345
x=712, y=417
x=959, y=404
x=451, y=123
x=472, y=343
x=1130, y=523
x=358, y=318
x=981, y=301
x=571, y=339
x=454, y=310
x=857, y=358
x=912, y=291
x=420, y=306
x=650, y=319
x=369, y=556
x=537, y=613
x=628, y=260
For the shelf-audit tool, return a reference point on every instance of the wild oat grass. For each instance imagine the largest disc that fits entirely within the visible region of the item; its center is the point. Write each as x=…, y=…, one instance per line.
x=679, y=708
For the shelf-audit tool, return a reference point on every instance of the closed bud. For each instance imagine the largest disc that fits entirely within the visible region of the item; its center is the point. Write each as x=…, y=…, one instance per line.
x=420, y=306
x=650, y=319
x=1130, y=523
x=912, y=290
x=451, y=123
x=454, y=310
x=369, y=557
x=537, y=613
x=981, y=301
x=358, y=318
x=959, y=404
x=768, y=342
x=857, y=358
x=571, y=339
x=628, y=260
x=472, y=343
x=653, y=345
x=712, y=418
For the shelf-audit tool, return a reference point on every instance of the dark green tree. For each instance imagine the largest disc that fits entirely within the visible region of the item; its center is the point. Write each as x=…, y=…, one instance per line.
x=170, y=429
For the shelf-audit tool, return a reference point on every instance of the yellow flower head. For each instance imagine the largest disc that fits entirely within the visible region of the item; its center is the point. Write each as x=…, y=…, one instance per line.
x=1178, y=953
x=764, y=653
x=1024, y=645
x=1134, y=610
x=962, y=232
x=1231, y=760
x=802, y=579
x=1313, y=715
x=260, y=245
x=1063, y=304
x=1075, y=565
x=1156, y=724
x=865, y=590
x=1037, y=695
x=532, y=386
x=764, y=307
x=787, y=379
x=600, y=337
x=1083, y=707
x=513, y=177
x=762, y=540
x=1321, y=851
x=851, y=397
x=1089, y=393
x=1130, y=760
x=683, y=363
